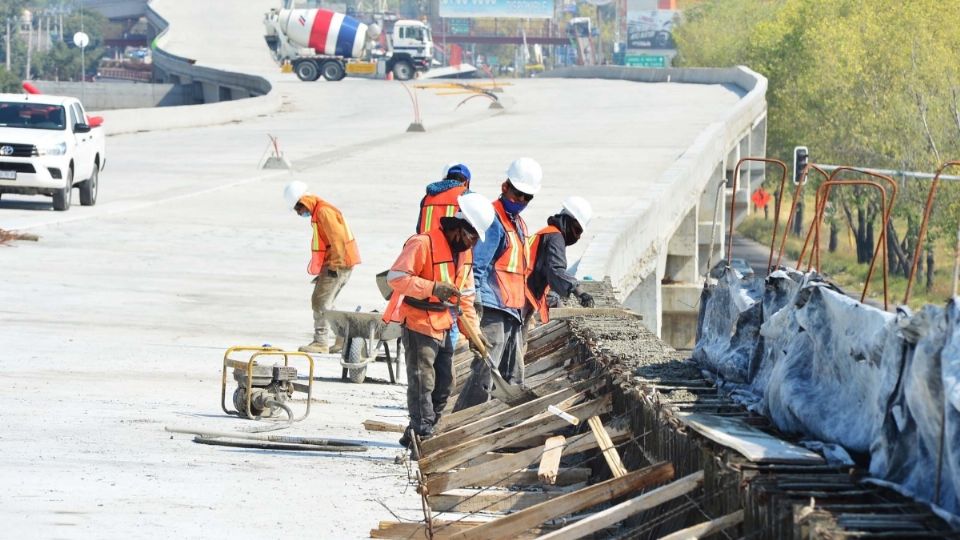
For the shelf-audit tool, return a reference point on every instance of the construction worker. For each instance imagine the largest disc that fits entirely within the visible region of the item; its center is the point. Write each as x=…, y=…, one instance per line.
x=500, y=267
x=549, y=277
x=441, y=198
x=433, y=287
x=334, y=254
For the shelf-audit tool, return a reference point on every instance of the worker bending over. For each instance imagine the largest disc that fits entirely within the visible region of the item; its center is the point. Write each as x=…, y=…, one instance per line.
x=433, y=288
x=549, y=277
x=501, y=263
x=441, y=198
x=334, y=253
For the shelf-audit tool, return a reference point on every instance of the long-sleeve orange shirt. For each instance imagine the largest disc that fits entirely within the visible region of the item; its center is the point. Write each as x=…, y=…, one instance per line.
x=406, y=278
x=334, y=230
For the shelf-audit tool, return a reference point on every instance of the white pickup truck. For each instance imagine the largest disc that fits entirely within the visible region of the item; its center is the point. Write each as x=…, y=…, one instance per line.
x=48, y=146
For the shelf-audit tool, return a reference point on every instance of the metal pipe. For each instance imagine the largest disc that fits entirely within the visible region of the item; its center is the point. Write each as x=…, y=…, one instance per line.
x=717, y=207
x=733, y=203
x=793, y=207
x=923, y=229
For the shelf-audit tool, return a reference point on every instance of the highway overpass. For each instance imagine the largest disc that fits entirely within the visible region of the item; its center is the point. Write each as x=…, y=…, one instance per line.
x=116, y=320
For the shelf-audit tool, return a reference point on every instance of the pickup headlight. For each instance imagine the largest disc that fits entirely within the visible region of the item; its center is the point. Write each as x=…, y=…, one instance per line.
x=55, y=150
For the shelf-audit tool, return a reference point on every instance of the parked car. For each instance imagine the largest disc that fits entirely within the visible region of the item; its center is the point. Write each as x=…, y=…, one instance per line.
x=48, y=146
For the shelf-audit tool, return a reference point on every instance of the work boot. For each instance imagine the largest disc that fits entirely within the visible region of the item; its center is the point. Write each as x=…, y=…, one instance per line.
x=315, y=347
x=337, y=345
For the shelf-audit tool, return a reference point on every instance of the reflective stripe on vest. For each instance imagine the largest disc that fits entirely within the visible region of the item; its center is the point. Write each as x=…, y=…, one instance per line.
x=511, y=267
x=439, y=264
x=438, y=206
x=534, y=247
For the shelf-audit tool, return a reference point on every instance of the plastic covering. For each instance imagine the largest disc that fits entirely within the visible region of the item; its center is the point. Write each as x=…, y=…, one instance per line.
x=843, y=374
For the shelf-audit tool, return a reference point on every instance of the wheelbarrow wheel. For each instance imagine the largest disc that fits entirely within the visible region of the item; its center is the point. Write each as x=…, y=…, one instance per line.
x=355, y=355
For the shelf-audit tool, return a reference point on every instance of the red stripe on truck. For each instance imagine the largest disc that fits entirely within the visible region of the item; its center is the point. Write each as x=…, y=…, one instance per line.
x=319, y=30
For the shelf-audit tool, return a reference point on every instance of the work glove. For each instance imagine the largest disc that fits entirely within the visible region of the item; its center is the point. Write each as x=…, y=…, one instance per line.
x=332, y=273
x=585, y=299
x=444, y=291
x=478, y=307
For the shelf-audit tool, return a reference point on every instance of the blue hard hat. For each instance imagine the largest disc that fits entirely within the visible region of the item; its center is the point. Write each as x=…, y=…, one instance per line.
x=459, y=168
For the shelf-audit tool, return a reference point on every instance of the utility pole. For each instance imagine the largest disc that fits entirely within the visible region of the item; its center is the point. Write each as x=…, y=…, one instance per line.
x=7, y=38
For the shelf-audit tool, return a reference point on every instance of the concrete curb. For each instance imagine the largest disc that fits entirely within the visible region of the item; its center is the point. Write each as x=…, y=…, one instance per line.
x=626, y=248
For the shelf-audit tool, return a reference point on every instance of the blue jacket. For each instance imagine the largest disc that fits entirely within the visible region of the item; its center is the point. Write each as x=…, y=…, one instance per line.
x=484, y=255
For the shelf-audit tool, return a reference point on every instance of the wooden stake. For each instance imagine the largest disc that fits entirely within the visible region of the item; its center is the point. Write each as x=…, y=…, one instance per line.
x=514, y=524
x=550, y=461
x=377, y=425
x=707, y=527
x=610, y=453
x=622, y=511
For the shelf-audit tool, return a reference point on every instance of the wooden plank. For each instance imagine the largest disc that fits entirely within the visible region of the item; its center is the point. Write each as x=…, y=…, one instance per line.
x=610, y=454
x=492, y=422
x=510, y=526
x=550, y=361
x=550, y=460
x=752, y=443
x=706, y=528
x=570, y=312
x=378, y=425
x=530, y=477
x=453, y=419
x=624, y=510
x=442, y=529
x=449, y=458
x=469, y=501
x=501, y=469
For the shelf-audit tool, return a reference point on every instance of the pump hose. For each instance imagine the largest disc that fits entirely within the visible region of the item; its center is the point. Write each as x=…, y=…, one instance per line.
x=279, y=446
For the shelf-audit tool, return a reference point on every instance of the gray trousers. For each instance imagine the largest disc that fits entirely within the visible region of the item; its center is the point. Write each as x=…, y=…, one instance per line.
x=325, y=291
x=504, y=332
x=429, y=378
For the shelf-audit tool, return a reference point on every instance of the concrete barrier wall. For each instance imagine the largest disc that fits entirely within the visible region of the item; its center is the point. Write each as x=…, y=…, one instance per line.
x=121, y=95
x=629, y=247
x=262, y=100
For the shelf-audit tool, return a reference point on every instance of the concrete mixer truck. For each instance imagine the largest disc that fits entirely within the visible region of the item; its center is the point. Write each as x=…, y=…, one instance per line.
x=320, y=42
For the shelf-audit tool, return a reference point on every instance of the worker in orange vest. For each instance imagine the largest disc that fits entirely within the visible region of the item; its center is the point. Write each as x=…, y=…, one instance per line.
x=501, y=263
x=334, y=253
x=433, y=288
x=549, y=278
x=441, y=198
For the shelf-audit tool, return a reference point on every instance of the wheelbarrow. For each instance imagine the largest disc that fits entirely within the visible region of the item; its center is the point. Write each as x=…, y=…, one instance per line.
x=363, y=335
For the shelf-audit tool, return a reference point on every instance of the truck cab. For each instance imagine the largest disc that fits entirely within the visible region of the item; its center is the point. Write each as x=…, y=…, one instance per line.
x=411, y=49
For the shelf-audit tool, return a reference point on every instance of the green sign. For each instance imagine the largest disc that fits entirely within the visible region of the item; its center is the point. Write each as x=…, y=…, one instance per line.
x=459, y=26
x=645, y=60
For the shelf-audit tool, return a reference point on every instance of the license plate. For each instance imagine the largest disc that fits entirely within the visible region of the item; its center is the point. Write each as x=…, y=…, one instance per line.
x=8, y=175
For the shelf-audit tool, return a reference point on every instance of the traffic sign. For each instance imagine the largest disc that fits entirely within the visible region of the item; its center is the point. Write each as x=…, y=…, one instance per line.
x=645, y=60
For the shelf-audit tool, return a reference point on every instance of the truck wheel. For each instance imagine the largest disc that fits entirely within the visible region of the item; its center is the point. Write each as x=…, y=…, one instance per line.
x=357, y=354
x=307, y=71
x=90, y=187
x=333, y=70
x=63, y=197
x=403, y=71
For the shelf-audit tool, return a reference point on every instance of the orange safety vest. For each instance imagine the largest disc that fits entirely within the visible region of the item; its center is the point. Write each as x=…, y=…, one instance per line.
x=511, y=267
x=437, y=206
x=320, y=244
x=439, y=266
x=534, y=246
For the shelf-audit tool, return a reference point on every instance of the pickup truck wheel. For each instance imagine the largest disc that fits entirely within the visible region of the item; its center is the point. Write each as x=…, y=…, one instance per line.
x=333, y=70
x=63, y=197
x=89, y=188
x=403, y=71
x=307, y=71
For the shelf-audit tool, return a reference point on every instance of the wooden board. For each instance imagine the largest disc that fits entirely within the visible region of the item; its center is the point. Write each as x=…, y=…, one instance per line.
x=550, y=460
x=379, y=425
x=570, y=312
x=753, y=444
x=469, y=501
x=441, y=529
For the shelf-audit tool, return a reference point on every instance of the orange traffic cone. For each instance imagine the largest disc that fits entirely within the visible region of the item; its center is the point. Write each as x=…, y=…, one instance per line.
x=390, y=75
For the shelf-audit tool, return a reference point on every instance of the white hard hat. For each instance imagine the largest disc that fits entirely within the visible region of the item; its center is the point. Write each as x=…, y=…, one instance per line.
x=293, y=192
x=579, y=208
x=477, y=210
x=525, y=174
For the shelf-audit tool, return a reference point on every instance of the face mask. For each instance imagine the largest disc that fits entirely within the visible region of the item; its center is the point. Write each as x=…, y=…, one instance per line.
x=305, y=215
x=458, y=246
x=513, y=207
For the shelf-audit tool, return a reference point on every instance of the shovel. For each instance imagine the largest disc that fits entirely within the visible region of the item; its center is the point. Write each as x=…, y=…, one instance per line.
x=502, y=390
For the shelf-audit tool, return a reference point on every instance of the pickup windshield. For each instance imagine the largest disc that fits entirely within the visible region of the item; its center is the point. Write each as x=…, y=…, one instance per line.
x=32, y=116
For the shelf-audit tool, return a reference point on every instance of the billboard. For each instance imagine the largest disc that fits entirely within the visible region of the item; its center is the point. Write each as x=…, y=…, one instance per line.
x=501, y=9
x=650, y=29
